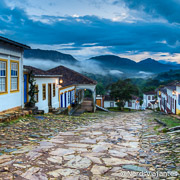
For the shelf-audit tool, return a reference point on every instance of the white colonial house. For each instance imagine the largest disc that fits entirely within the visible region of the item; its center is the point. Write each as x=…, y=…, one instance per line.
x=73, y=87
x=169, y=98
x=59, y=87
x=46, y=86
x=107, y=101
x=149, y=99
x=133, y=104
x=11, y=74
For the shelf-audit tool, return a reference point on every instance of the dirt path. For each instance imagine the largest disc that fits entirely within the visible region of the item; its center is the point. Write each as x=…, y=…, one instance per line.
x=106, y=149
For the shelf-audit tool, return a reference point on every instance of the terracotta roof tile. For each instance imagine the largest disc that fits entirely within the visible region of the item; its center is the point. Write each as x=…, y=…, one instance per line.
x=70, y=76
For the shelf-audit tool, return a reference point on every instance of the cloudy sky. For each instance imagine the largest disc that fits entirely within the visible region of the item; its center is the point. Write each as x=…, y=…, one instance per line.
x=84, y=28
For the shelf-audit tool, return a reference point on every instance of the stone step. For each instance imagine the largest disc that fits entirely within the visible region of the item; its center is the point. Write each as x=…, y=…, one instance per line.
x=87, y=103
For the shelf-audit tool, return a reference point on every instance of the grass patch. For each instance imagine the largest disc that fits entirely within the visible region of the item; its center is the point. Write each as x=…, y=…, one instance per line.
x=116, y=109
x=167, y=119
x=11, y=122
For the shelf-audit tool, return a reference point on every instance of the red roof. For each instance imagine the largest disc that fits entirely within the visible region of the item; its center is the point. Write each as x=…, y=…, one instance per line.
x=71, y=77
x=150, y=93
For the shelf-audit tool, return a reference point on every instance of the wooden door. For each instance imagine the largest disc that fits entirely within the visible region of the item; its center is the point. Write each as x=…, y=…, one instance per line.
x=49, y=96
x=98, y=102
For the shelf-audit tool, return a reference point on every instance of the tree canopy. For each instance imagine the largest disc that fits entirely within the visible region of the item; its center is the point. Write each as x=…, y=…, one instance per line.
x=122, y=91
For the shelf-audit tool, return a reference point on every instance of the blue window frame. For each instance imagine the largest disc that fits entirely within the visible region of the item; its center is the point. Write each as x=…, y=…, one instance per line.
x=65, y=100
x=61, y=100
x=179, y=99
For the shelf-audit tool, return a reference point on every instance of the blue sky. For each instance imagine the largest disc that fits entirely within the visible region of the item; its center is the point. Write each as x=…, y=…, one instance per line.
x=136, y=29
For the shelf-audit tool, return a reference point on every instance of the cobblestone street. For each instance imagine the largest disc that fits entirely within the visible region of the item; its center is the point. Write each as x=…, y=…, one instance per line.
x=108, y=147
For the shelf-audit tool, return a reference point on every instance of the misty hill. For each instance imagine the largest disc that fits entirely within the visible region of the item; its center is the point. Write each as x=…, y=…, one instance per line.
x=114, y=61
x=126, y=64
x=48, y=55
x=154, y=66
x=170, y=75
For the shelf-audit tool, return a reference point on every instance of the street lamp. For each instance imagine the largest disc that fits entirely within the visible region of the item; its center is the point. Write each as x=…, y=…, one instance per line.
x=174, y=93
x=60, y=81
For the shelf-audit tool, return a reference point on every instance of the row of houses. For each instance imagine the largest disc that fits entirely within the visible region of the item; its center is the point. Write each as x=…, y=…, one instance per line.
x=168, y=98
x=59, y=87
x=107, y=101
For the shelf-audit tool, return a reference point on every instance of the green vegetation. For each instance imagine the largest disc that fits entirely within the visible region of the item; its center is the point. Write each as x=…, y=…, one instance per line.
x=143, y=85
x=116, y=109
x=167, y=119
x=122, y=91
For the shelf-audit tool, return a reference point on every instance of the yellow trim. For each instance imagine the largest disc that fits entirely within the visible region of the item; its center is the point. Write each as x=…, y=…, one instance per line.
x=6, y=92
x=14, y=91
x=44, y=98
x=66, y=87
x=177, y=111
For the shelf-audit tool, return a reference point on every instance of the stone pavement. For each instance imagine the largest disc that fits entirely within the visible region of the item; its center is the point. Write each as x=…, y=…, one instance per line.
x=105, y=149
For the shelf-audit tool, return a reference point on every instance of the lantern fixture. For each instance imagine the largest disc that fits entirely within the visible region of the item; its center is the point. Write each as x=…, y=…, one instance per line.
x=60, y=81
x=174, y=93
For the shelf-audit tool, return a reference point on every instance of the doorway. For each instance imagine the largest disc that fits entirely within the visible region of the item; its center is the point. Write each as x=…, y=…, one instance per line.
x=49, y=96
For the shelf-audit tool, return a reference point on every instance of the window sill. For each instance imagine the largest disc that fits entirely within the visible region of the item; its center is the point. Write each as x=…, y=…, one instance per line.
x=14, y=91
x=2, y=93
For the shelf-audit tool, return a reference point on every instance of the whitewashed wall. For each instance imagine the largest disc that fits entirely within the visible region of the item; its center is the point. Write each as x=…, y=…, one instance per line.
x=15, y=99
x=107, y=104
x=135, y=105
x=178, y=100
x=66, y=90
x=164, y=97
x=146, y=101
x=43, y=104
x=170, y=93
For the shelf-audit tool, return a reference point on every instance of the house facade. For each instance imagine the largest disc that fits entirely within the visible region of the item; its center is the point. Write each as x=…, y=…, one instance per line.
x=133, y=104
x=73, y=86
x=148, y=99
x=46, y=85
x=107, y=101
x=11, y=74
x=169, y=98
x=59, y=87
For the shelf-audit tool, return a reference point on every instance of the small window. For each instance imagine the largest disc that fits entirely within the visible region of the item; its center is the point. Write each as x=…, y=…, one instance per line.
x=149, y=97
x=129, y=104
x=111, y=104
x=14, y=76
x=153, y=98
x=44, y=91
x=54, y=90
x=36, y=96
x=3, y=76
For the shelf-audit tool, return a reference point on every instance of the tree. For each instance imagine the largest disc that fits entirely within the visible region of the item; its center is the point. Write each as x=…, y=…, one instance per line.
x=100, y=90
x=32, y=90
x=122, y=91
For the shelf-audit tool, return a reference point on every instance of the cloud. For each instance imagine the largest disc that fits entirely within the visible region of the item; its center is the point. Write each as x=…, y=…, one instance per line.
x=89, y=66
x=168, y=9
x=86, y=36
